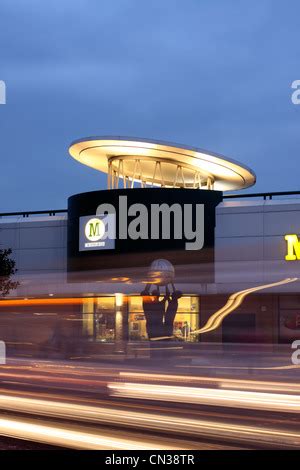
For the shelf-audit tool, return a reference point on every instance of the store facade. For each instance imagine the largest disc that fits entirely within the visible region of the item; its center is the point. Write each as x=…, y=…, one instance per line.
x=240, y=286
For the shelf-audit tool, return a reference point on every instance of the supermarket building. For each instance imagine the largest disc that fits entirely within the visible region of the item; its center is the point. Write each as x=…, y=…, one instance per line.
x=251, y=251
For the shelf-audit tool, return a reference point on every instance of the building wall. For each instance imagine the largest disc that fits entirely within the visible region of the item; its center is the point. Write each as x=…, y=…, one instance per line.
x=249, y=251
x=249, y=245
x=38, y=243
x=264, y=308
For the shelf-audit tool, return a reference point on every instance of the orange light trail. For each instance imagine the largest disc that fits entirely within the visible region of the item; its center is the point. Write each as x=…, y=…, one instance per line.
x=234, y=301
x=51, y=301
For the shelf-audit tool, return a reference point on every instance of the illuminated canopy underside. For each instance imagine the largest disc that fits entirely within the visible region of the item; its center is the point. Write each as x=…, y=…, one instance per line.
x=130, y=162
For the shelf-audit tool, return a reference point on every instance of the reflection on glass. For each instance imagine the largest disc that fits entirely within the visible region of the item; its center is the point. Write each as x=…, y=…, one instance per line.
x=186, y=320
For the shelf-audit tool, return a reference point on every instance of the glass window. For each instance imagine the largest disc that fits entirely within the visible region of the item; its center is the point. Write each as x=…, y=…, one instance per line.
x=104, y=318
x=186, y=319
x=99, y=318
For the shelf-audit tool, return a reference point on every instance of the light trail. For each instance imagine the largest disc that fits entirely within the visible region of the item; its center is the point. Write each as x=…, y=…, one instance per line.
x=43, y=301
x=75, y=437
x=219, y=382
x=216, y=366
x=208, y=396
x=57, y=376
x=234, y=301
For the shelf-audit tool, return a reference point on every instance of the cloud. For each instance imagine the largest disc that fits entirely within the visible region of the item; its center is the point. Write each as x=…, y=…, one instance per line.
x=212, y=74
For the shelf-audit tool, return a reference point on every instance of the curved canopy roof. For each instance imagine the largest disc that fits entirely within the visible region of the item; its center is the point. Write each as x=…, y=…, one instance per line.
x=158, y=163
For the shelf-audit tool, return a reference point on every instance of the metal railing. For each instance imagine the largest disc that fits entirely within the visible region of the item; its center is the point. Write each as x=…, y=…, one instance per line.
x=30, y=213
x=264, y=196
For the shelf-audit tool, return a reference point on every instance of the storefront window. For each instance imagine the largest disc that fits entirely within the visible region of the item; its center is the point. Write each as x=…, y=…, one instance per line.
x=102, y=319
x=99, y=318
x=105, y=319
x=186, y=320
x=137, y=321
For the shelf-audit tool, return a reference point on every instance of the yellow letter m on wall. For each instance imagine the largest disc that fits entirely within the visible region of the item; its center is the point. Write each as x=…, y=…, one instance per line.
x=293, y=247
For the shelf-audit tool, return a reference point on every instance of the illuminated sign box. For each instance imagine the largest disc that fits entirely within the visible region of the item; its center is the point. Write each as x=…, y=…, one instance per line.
x=93, y=230
x=131, y=243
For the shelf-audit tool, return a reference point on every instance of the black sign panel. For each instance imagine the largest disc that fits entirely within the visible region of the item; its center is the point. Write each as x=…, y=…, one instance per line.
x=130, y=228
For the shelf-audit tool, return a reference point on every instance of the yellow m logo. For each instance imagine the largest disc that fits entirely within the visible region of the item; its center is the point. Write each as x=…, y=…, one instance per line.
x=293, y=247
x=94, y=229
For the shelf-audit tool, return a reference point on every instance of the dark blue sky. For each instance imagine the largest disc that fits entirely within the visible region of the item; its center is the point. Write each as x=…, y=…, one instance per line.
x=212, y=73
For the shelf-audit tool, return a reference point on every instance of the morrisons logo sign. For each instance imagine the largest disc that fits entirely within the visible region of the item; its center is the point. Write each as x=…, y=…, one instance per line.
x=93, y=233
x=94, y=229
